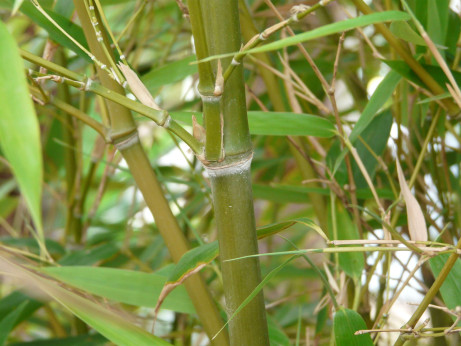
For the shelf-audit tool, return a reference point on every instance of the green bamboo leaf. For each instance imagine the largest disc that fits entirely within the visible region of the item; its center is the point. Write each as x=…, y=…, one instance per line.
x=437, y=19
x=352, y=263
x=326, y=30
x=289, y=124
x=9, y=322
x=257, y=289
x=451, y=287
x=376, y=137
x=118, y=329
x=169, y=73
x=28, y=9
x=275, y=123
x=11, y=301
x=194, y=260
x=125, y=286
x=19, y=129
x=435, y=71
x=277, y=336
x=404, y=31
x=346, y=322
x=298, y=194
x=204, y=254
x=382, y=93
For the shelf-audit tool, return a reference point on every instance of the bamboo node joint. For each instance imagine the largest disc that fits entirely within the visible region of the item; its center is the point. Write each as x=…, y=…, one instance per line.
x=234, y=167
x=211, y=98
x=127, y=142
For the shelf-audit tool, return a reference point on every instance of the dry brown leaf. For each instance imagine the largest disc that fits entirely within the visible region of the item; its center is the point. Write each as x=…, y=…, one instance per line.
x=198, y=130
x=170, y=286
x=416, y=223
x=138, y=88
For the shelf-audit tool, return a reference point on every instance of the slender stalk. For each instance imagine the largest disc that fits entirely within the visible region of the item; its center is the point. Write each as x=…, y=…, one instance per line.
x=430, y=294
x=125, y=137
x=230, y=175
x=71, y=78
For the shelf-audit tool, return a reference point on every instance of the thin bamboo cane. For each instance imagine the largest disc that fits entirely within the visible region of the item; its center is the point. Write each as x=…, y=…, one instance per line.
x=125, y=137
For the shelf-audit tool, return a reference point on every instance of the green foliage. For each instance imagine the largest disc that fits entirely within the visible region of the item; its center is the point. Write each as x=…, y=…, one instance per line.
x=19, y=130
x=346, y=323
x=332, y=99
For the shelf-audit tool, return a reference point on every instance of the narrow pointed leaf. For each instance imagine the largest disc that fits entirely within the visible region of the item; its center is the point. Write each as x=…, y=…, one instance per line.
x=346, y=323
x=194, y=260
x=275, y=123
x=118, y=329
x=126, y=286
x=326, y=30
x=382, y=93
x=169, y=73
x=404, y=31
x=416, y=222
x=19, y=128
x=9, y=321
x=451, y=287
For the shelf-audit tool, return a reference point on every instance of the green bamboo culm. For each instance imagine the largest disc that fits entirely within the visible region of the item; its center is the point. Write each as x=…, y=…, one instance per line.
x=124, y=135
x=227, y=159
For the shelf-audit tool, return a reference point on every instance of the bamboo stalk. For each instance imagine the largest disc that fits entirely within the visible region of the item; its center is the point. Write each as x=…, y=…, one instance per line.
x=230, y=175
x=125, y=138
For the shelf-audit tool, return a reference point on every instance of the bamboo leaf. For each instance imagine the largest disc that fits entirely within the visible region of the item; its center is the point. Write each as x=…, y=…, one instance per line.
x=277, y=336
x=116, y=328
x=435, y=71
x=352, y=263
x=298, y=194
x=451, y=287
x=55, y=34
x=9, y=321
x=11, y=301
x=125, y=286
x=170, y=73
x=416, y=222
x=196, y=259
x=382, y=93
x=326, y=30
x=346, y=322
x=275, y=123
x=372, y=143
x=19, y=129
x=404, y=31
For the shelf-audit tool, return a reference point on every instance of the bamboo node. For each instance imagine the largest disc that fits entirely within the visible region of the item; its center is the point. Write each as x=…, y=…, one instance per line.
x=127, y=142
x=295, y=10
x=234, y=167
x=166, y=121
x=87, y=85
x=211, y=98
